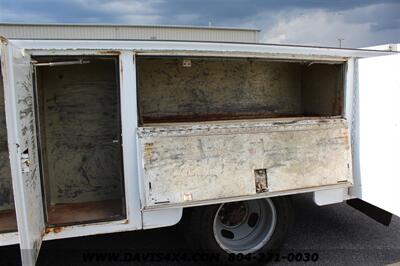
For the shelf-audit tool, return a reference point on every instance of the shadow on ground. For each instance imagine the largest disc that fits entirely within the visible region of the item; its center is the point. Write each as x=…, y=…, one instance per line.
x=339, y=235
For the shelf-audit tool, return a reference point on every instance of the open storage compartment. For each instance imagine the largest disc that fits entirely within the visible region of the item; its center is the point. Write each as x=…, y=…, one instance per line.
x=78, y=117
x=212, y=89
x=215, y=128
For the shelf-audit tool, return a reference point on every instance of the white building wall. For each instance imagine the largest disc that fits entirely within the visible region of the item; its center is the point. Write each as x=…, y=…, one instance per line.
x=120, y=32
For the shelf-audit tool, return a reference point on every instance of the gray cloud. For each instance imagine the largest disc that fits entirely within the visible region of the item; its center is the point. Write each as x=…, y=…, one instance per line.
x=322, y=27
x=225, y=9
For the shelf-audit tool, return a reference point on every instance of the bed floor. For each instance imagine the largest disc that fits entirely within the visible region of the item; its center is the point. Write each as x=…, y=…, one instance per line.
x=8, y=221
x=75, y=213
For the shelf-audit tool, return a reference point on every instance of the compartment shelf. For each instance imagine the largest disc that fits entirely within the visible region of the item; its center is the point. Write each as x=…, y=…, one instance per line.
x=8, y=221
x=72, y=213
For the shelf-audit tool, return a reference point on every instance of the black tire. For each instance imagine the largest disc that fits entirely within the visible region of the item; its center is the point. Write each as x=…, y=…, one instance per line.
x=199, y=234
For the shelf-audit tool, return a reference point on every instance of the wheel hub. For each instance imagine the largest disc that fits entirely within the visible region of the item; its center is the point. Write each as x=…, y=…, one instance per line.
x=244, y=227
x=233, y=214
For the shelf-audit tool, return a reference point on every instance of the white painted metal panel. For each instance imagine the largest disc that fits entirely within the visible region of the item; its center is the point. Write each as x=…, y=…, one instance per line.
x=379, y=132
x=161, y=218
x=129, y=126
x=9, y=239
x=184, y=164
x=385, y=47
x=21, y=131
x=330, y=196
x=63, y=47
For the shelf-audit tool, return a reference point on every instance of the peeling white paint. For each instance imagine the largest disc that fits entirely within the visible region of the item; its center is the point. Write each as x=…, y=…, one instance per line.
x=218, y=160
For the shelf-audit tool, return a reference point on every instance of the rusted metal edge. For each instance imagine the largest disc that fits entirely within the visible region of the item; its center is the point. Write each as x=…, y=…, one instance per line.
x=54, y=230
x=218, y=48
x=59, y=229
x=240, y=127
x=3, y=40
x=109, y=52
x=249, y=197
x=143, y=52
x=169, y=119
x=281, y=56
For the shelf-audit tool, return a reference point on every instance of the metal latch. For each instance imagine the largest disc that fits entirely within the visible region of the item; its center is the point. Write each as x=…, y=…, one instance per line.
x=187, y=196
x=187, y=63
x=260, y=176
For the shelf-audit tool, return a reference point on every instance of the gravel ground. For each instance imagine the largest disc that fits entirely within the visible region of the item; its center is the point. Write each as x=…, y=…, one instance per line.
x=339, y=235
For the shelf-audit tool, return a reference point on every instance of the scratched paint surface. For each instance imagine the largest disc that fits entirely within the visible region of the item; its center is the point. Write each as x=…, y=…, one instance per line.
x=27, y=135
x=6, y=192
x=27, y=177
x=80, y=128
x=217, y=160
x=214, y=89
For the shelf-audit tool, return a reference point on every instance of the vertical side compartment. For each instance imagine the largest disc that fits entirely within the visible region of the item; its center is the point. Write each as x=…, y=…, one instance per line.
x=8, y=221
x=80, y=139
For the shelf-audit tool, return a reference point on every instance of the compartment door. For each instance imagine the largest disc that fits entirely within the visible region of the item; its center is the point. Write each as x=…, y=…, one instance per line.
x=378, y=133
x=22, y=141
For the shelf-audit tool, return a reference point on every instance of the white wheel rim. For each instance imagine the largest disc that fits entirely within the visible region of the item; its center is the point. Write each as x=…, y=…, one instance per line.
x=244, y=227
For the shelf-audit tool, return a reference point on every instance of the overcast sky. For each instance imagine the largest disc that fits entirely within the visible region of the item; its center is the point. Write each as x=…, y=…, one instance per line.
x=314, y=22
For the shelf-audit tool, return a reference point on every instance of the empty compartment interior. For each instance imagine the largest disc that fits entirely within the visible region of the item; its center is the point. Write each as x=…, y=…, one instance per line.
x=8, y=222
x=209, y=89
x=78, y=118
x=239, y=127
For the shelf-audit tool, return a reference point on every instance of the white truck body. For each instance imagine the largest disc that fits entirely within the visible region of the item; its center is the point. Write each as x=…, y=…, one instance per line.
x=171, y=165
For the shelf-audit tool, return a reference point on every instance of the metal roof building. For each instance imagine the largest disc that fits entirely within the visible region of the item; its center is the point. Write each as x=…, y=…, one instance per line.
x=131, y=32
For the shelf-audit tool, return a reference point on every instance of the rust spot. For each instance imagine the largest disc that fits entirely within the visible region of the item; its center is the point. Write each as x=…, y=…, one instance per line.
x=3, y=40
x=109, y=52
x=54, y=230
x=126, y=221
x=148, y=150
x=208, y=117
x=261, y=180
x=345, y=137
x=67, y=214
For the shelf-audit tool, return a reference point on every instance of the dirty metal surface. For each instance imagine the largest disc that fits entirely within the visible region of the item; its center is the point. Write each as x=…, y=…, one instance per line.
x=8, y=221
x=323, y=92
x=81, y=131
x=23, y=149
x=217, y=88
x=27, y=134
x=6, y=191
x=222, y=89
x=70, y=213
x=218, y=160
